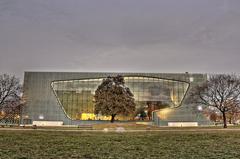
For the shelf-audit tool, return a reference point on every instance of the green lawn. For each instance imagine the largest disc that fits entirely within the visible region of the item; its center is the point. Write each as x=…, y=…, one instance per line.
x=50, y=144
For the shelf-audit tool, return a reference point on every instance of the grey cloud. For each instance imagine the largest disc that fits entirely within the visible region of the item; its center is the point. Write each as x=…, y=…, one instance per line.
x=121, y=35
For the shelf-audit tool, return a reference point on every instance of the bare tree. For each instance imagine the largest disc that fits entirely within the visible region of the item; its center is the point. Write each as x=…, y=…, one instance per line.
x=10, y=98
x=112, y=97
x=219, y=91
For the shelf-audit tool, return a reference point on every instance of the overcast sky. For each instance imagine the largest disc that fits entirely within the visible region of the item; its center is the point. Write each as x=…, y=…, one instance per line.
x=120, y=35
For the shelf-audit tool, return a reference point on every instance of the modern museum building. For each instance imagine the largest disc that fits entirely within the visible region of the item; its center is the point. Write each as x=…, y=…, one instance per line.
x=67, y=98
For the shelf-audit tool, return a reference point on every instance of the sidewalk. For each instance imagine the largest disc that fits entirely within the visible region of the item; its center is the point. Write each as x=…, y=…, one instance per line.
x=123, y=130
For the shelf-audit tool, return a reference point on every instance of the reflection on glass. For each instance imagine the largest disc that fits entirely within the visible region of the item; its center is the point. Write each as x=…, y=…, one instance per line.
x=77, y=96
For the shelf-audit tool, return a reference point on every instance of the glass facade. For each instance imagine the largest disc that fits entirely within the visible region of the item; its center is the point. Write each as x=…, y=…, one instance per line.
x=76, y=97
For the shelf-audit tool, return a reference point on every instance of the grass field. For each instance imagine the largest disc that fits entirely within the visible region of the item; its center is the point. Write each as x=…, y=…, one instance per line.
x=136, y=145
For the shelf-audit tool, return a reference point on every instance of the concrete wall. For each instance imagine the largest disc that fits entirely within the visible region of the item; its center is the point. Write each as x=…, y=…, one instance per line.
x=42, y=103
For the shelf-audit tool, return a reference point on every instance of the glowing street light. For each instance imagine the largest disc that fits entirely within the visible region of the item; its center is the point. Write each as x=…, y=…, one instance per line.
x=200, y=108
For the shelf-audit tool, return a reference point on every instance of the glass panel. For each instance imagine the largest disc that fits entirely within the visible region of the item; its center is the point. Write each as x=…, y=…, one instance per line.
x=77, y=96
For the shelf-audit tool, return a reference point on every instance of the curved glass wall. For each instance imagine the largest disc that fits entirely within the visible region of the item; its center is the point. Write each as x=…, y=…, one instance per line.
x=77, y=96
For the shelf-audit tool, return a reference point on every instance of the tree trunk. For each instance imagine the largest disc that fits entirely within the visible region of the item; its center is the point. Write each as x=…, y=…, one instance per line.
x=224, y=120
x=112, y=119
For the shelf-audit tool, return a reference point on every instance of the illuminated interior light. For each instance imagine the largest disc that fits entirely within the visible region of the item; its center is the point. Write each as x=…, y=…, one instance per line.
x=163, y=114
